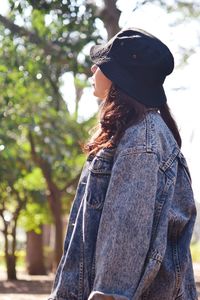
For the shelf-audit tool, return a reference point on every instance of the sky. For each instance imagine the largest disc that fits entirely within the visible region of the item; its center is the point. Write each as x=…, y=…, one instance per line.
x=182, y=86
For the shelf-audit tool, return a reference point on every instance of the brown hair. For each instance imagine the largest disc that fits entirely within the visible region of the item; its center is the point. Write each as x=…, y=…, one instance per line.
x=116, y=114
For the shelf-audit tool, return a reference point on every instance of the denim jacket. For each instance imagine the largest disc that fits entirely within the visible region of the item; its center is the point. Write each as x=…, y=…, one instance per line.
x=131, y=222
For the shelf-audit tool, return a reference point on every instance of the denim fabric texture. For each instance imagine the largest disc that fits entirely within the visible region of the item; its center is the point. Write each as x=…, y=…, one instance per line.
x=131, y=222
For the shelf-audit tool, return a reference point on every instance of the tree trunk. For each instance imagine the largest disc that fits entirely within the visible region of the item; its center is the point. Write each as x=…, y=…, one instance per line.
x=110, y=16
x=10, y=258
x=34, y=254
x=11, y=267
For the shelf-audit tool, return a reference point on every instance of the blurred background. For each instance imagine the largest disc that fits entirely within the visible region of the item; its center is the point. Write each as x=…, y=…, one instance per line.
x=47, y=109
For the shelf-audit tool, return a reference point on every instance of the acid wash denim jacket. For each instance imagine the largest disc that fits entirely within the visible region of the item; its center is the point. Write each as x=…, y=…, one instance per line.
x=131, y=222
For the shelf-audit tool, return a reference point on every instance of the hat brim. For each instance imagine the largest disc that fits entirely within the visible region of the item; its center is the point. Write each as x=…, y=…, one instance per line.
x=149, y=95
x=100, y=53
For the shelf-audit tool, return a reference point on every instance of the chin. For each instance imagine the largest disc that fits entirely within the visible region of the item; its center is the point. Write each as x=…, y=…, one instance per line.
x=98, y=95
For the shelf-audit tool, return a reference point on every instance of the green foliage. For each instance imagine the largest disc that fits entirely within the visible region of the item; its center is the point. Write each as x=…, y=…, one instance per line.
x=67, y=25
x=33, y=113
x=195, y=252
x=36, y=212
x=20, y=259
x=34, y=215
x=38, y=22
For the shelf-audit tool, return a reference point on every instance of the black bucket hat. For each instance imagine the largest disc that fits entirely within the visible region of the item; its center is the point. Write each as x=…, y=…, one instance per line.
x=138, y=63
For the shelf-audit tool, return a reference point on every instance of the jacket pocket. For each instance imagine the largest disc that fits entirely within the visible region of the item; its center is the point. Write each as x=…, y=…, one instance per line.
x=98, y=180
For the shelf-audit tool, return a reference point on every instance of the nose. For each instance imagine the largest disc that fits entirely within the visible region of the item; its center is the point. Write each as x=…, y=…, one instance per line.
x=93, y=68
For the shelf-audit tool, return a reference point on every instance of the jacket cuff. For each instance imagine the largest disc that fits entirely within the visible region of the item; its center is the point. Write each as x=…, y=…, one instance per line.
x=97, y=295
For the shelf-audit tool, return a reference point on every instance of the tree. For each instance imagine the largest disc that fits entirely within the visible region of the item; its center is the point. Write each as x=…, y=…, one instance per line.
x=110, y=15
x=12, y=200
x=10, y=197
x=39, y=57
x=16, y=190
x=32, y=219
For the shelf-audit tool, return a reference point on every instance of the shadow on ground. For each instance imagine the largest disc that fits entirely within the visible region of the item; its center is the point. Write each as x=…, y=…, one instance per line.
x=40, y=286
x=25, y=287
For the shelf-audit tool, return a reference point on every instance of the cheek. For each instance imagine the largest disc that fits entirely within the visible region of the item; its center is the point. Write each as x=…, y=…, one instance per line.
x=102, y=85
x=103, y=89
x=105, y=83
x=108, y=84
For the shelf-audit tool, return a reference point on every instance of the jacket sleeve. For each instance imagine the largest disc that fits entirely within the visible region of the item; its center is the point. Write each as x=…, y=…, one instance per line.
x=125, y=228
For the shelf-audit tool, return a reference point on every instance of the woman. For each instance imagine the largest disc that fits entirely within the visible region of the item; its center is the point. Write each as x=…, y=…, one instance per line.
x=133, y=214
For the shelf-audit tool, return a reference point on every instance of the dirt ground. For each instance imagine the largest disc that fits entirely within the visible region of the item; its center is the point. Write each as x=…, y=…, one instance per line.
x=27, y=287
x=38, y=287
